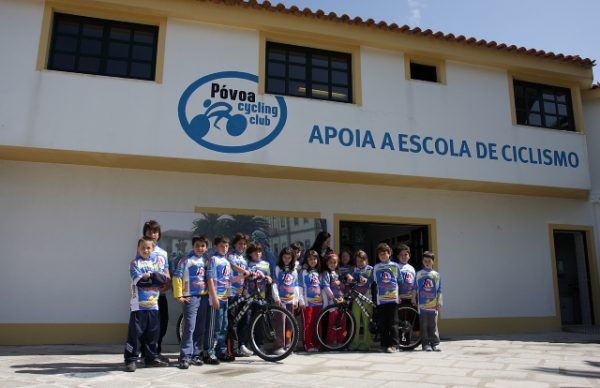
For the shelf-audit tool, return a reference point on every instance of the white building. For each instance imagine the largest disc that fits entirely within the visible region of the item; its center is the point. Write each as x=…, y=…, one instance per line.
x=113, y=109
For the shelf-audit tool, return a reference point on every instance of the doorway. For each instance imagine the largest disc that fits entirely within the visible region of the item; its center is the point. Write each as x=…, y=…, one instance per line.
x=363, y=235
x=574, y=277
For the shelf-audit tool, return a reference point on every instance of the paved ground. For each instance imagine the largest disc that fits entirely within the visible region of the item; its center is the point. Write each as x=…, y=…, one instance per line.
x=541, y=360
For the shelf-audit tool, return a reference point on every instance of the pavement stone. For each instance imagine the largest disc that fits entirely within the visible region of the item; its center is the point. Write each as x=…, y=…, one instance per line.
x=525, y=360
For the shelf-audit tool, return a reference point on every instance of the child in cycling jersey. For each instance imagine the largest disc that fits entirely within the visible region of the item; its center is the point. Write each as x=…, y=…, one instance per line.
x=386, y=275
x=429, y=299
x=363, y=276
x=333, y=289
x=285, y=292
x=311, y=298
x=220, y=278
x=147, y=276
x=239, y=265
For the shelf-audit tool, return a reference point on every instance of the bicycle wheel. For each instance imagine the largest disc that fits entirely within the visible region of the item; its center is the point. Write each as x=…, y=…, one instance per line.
x=408, y=328
x=179, y=328
x=274, y=333
x=335, y=327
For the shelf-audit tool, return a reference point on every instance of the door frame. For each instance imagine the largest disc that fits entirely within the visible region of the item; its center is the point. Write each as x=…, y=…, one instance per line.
x=591, y=264
x=429, y=222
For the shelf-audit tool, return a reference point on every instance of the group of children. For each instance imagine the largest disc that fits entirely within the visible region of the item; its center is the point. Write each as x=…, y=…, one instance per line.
x=206, y=285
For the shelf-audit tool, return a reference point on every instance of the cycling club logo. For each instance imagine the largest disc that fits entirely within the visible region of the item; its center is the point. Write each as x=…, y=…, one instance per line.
x=386, y=277
x=222, y=112
x=288, y=279
x=428, y=285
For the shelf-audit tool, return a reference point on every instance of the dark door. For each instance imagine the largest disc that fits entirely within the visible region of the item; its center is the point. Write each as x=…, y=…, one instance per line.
x=573, y=275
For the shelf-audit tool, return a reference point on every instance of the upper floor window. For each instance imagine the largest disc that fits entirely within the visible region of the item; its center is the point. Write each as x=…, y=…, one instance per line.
x=423, y=72
x=543, y=106
x=104, y=47
x=306, y=72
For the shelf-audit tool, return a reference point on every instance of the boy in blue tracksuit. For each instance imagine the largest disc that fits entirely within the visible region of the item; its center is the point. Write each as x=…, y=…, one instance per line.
x=190, y=288
x=147, y=276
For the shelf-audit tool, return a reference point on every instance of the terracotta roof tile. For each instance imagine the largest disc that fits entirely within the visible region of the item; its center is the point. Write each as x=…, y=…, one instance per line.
x=405, y=29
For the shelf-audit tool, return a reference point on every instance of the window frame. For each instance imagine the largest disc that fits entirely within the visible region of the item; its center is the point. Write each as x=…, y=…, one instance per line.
x=541, y=89
x=438, y=63
x=111, y=12
x=309, y=53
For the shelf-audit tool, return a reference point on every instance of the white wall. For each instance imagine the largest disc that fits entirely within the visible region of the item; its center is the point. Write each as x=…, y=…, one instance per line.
x=68, y=233
x=59, y=110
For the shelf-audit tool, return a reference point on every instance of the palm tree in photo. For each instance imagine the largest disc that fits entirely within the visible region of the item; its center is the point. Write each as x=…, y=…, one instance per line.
x=246, y=224
x=209, y=224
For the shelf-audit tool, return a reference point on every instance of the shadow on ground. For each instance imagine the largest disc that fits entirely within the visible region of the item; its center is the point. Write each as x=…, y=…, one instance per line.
x=591, y=374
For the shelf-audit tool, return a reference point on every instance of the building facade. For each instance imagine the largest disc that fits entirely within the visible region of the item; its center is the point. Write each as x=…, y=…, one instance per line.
x=109, y=110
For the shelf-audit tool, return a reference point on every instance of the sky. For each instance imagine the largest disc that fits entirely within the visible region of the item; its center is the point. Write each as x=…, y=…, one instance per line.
x=568, y=27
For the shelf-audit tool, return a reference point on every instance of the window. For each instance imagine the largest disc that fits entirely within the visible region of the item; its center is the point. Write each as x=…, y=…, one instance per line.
x=104, y=47
x=543, y=106
x=305, y=72
x=423, y=72
x=296, y=221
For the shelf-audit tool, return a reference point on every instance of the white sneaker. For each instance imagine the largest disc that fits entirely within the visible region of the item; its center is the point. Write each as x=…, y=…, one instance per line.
x=279, y=351
x=245, y=352
x=427, y=348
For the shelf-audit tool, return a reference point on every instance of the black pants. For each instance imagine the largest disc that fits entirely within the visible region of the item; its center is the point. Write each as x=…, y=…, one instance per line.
x=163, y=307
x=144, y=327
x=234, y=334
x=387, y=319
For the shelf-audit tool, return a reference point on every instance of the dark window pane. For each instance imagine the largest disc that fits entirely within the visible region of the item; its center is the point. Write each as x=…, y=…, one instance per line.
x=564, y=123
x=89, y=65
x=143, y=36
x=562, y=109
x=561, y=97
x=275, y=85
x=297, y=57
x=118, y=50
x=143, y=53
x=519, y=91
x=65, y=43
x=550, y=121
x=297, y=88
x=141, y=70
x=118, y=68
x=521, y=117
x=535, y=119
x=320, y=60
x=277, y=54
x=92, y=30
x=534, y=106
x=119, y=33
x=276, y=69
x=423, y=72
x=339, y=77
x=531, y=94
x=297, y=72
x=520, y=103
x=548, y=95
x=320, y=75
x=68, y=27
x=320, y=90
x=91, y=46
x=339, y=93
x=63, y=62
x=549, y=107
x=339, y=63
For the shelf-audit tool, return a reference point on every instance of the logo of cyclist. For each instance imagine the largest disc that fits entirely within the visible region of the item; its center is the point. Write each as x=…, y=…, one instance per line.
x=223, y=113
x=236, y=124
x=428, y=284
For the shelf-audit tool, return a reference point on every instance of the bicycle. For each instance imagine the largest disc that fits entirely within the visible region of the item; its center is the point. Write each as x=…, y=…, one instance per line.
x=274, y=331
x=344, y=325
